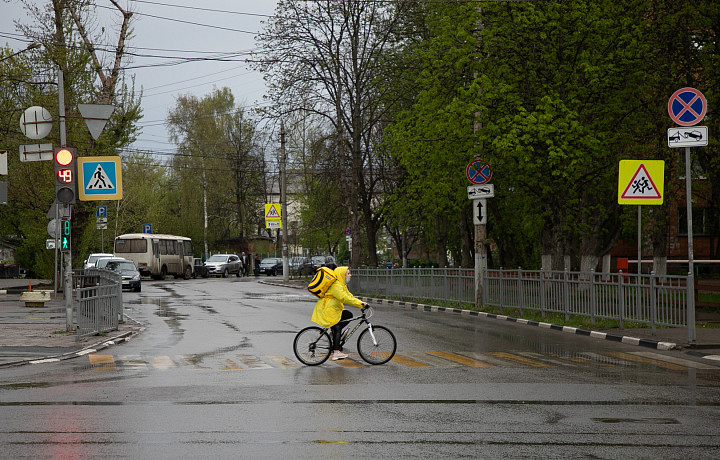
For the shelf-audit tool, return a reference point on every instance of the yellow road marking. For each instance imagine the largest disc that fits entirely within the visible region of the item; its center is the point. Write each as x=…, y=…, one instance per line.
x=347, y=362
x=102, y=362
x=407, y=362
x=283, y=362
x=231, y=365
x=163, y=362
x=460, y=359
x=641, y=359
x=519, y=359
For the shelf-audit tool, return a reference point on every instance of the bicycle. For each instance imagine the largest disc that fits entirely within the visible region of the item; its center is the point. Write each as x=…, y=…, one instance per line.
x=376, y=344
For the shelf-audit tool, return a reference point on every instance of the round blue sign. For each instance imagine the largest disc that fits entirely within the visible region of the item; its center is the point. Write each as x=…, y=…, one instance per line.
x=478, y=172
x=687, y=106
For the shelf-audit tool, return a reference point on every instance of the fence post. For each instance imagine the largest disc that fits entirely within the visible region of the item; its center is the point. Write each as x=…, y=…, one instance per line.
x=653, y=301
x=542, y=293
x=621, y=298
x=566, y=294
x=486, y=285
x=593, y=301
x=521, y=294
x=502, y=290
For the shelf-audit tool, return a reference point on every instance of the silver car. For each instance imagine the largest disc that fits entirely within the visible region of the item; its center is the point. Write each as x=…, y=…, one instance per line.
x=224, y=265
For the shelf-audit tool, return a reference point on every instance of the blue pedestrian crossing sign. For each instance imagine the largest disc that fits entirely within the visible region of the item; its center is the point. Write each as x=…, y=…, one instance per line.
x=100, y=178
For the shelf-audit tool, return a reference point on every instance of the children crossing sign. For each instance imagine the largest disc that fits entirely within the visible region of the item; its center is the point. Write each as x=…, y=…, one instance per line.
x=272, y=215
x=641, y=182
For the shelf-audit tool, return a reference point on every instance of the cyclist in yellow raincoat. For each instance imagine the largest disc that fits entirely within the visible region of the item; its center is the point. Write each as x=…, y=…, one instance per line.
x=329, y=310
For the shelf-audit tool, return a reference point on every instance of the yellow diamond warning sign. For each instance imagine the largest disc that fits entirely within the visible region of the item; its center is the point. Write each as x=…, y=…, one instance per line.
x=641, y=182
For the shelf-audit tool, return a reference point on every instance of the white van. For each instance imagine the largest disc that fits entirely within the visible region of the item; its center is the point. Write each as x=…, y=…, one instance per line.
x=93, y=258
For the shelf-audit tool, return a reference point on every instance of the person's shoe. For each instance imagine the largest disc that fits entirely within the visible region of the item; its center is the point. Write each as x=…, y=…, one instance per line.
x=337, y=355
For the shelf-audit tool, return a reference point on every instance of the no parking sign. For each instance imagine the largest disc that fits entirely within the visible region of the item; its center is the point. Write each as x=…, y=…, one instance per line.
x=687, y=106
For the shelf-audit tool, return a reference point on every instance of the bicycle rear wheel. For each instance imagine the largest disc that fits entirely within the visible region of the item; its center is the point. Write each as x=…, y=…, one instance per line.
x=312, y=346
x=380, y=350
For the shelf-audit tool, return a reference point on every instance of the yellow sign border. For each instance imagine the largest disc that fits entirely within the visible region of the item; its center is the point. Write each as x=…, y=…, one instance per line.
x=626, y=173
x=278, y=209
x=117, y=195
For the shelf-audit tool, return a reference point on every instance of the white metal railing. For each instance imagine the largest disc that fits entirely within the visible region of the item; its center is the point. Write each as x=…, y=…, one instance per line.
x=99, y=297
x=645, y=299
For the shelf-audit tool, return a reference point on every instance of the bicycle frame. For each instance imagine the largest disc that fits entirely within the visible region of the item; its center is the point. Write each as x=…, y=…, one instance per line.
x=362, y=319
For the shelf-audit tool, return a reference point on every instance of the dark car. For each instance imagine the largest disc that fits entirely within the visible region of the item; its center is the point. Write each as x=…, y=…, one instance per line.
x=127, y=269
x=324, y=261
x=271, y=266
x=199, y=268
x=301, y=266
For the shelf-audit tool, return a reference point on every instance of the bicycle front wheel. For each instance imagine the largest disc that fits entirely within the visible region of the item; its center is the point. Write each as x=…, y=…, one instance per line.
x=378, y=347
x=312, y=346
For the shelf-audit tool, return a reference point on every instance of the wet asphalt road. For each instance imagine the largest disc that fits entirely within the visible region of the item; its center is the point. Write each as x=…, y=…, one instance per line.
x=213, y=375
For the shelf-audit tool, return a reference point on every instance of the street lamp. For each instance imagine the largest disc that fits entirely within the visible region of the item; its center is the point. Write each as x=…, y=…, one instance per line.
x=31, y=46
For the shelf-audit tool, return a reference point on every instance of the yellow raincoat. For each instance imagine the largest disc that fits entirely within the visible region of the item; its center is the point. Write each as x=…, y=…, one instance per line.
x=328, y=310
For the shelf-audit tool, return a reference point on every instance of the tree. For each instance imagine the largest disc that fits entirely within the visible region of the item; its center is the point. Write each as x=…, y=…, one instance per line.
x=325, y=58
x=557, y=81
x=218, y=153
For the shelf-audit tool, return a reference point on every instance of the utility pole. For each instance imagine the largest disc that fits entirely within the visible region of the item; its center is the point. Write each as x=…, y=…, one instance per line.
x=283, y=203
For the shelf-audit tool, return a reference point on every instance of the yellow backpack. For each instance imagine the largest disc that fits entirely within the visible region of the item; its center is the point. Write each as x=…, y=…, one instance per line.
x=321, y=282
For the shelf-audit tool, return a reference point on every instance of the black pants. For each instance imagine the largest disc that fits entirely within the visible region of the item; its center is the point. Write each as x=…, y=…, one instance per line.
x=337, y=329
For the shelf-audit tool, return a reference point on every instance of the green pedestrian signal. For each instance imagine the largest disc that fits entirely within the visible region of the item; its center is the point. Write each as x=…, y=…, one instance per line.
x=65, y=238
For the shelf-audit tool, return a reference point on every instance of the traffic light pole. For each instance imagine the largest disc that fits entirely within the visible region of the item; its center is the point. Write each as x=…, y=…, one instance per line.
x=66, y=255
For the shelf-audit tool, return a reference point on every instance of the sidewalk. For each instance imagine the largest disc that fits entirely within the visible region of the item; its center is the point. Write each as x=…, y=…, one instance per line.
x=30, y=333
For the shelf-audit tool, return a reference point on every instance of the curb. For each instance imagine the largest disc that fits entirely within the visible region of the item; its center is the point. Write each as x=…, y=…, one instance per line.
x=124, y=337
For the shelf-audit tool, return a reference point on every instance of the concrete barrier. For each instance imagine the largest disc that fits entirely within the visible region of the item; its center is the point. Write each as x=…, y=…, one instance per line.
x=35, y=298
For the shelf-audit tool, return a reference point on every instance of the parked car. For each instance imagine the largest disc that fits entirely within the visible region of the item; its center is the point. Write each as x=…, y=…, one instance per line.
x=127, y=269
x=93, y=258
x=301, y=266
x=199, y=268
x=271, y=266
x=224, y=265
x=323, y=261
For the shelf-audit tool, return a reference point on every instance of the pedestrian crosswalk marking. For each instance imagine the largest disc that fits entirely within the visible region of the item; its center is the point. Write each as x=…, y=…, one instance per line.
x=407, y=362
x=460, y=359
x=351, y=361
x=519, y=359
x=102, y=362
x=674, y=360
x=644, y=360
x=284, y=363
x=408, y=359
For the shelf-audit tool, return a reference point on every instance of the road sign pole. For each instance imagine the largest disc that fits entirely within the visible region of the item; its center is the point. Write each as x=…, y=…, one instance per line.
x=691, y=268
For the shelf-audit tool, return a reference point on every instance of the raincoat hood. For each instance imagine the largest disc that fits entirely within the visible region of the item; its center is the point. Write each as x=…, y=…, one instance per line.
x=340, y=274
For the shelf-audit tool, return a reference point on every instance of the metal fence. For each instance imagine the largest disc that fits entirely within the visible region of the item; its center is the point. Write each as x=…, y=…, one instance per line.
x=646, y=299
x=100, y=305
x=446, y=284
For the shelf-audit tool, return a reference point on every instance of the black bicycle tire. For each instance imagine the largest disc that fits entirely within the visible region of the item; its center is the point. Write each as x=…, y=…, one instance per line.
x=312, y=333
x=372, y=357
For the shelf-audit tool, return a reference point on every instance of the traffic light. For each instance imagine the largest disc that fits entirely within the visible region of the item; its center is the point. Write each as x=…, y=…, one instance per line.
x=65, y=236
x=65, y=160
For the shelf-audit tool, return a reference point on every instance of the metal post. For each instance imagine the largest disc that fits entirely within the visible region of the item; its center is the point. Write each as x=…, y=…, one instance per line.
x=67, y=256
x=283, y=203
x=691, y=268
x=480, y=261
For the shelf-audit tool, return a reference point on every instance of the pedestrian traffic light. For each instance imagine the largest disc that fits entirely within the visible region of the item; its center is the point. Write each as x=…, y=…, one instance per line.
x=65, y=237
x=65, y=160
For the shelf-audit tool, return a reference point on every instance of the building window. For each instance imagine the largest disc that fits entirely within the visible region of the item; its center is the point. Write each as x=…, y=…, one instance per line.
x=705, y=221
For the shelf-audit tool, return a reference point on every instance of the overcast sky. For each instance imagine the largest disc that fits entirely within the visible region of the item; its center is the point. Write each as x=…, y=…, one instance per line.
x=164, y=32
